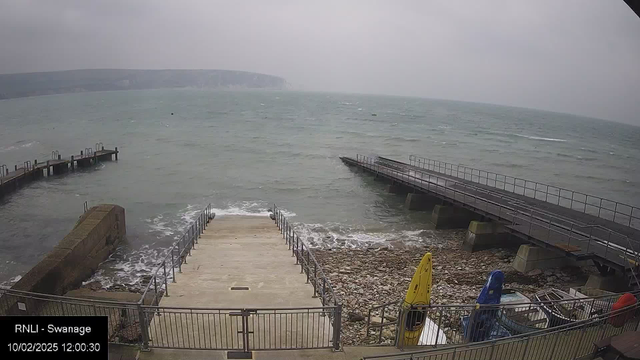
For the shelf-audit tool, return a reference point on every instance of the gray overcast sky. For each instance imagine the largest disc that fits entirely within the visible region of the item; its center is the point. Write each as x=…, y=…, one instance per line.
x=576, y=56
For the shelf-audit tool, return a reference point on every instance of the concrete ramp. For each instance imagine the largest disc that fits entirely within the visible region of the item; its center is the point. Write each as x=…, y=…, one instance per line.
x=238, y=252
x=240, y=286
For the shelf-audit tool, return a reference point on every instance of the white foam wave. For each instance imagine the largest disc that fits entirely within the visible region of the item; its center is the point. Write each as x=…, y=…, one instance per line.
x=158, y=225
x=15, y=147
x=129, y=268
x=248, y=208
x=9, y=283
x=336, y=235
x=540, y=138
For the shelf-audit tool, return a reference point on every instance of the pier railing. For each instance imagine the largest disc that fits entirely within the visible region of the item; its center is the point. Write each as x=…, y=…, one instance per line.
x=536, y=224
x=615, y=211
x=461, y=323
x=175, y=257
x=570, y=341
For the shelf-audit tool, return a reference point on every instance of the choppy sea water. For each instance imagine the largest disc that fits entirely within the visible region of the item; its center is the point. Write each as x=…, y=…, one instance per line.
x=244, y=150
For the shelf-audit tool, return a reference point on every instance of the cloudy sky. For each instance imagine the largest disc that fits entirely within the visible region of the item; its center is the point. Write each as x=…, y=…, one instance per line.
x=576, y=56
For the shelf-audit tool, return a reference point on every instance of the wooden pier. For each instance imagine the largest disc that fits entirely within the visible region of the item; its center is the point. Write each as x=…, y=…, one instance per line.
x=20, y=175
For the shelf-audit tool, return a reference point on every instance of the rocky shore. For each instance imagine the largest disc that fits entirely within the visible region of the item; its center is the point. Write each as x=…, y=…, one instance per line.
x=368, y=277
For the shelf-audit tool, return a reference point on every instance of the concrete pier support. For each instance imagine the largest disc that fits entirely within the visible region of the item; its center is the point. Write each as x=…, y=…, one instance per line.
x=452, y=217
x=60, y=168
x=613, y=283
x=397, y=189
x=419, y=201
x=84, y=162
x=530, y=257
x=485, y=235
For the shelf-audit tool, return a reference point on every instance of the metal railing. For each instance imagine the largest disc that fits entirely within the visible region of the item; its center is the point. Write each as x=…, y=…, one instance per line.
x=615, y=211
x=460, y=323
x=124, y=318
x=175, y=257
x=535, y=224
x=566, y=342
x=308, y=264
x=632, y=256
x=147, y=325
x=242, y=330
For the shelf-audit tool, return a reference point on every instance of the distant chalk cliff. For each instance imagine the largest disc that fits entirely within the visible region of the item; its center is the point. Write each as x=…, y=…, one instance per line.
x=72, y=81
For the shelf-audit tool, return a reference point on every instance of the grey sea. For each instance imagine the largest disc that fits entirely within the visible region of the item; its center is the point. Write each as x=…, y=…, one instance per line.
x=245, y=150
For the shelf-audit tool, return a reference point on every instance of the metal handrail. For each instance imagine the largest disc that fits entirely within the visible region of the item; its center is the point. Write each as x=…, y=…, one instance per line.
x=66, y=299
x=578, y=325
x=476, y=306
x=538, y=188
x=577, y=305
x=505, y=213
x=308, y=265
x=171, y=260
x=635, y=253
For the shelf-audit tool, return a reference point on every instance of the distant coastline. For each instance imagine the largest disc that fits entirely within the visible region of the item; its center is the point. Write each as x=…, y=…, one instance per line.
x=75, y=81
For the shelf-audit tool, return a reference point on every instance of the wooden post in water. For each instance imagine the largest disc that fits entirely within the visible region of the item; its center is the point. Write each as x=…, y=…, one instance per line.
x=72, y=164
x=116, y=153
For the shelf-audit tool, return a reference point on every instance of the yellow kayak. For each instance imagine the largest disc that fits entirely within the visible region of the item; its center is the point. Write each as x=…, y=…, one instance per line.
x=419, y=293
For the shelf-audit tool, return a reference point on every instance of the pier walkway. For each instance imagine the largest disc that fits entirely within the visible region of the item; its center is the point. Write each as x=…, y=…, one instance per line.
x=20, y=175
x=577, y=234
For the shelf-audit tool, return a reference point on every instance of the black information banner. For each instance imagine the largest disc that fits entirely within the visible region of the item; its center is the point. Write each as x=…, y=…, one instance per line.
x=54, y=337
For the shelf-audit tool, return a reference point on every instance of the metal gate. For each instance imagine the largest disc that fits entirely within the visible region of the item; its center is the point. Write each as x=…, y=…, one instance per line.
x=242, y=330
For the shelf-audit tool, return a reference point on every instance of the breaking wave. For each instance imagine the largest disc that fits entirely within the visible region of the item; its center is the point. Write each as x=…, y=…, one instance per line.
x=335, y=235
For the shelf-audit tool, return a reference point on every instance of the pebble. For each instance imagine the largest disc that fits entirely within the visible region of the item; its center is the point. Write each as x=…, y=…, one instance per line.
x=382, y=275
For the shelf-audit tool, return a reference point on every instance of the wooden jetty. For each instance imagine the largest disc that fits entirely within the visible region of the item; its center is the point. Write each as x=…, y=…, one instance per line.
x=20, y=175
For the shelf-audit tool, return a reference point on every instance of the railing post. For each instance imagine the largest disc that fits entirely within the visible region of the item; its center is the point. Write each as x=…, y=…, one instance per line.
x=302, y=259
x=324, y=290
x=526, y=346
x=575, y=355
x=144, y=328
x=337, y=323
x=292, y=246
x=553, y=350
x=173, y=268
x=308, y=269
x=179, y=257
x=438, y=328
x=166, y=286
x=155, y=289
x=315, y=279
